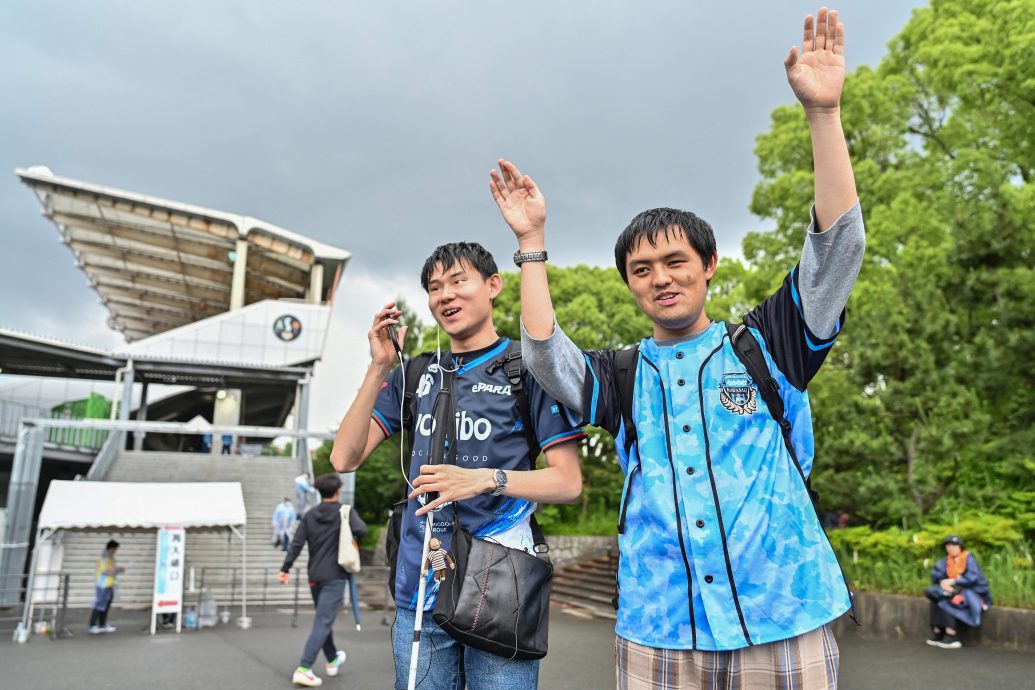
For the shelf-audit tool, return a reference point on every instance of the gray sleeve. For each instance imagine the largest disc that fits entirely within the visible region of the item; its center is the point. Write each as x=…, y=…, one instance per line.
x=557, y=365
x=830, y=263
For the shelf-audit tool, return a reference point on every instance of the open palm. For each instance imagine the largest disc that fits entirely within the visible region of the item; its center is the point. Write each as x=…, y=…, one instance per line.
x=818, y=77
x=520, y=202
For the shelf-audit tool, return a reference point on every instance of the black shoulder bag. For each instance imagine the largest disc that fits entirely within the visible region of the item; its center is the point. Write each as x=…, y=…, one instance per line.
x=497, y=600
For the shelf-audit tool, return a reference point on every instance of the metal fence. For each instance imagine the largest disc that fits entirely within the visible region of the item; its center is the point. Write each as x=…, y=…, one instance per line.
x=49, y=611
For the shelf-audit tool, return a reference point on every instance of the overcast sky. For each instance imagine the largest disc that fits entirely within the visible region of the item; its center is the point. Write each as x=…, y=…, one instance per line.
x=372, y=126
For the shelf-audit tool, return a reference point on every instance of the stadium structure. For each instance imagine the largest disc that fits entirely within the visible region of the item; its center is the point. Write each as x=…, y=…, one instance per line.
x=224, y=317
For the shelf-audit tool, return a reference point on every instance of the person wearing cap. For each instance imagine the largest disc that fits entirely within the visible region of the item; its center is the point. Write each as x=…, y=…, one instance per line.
x=105, y=590
x=958, y=592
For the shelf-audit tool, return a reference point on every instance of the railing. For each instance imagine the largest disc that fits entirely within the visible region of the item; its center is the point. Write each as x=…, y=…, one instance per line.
x=49, y=609
x=12, y=413
x=224, y=584
x=115, y=443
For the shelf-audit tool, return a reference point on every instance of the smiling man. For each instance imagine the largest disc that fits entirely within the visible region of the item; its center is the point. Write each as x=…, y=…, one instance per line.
x=492, y=482
x=726, y=578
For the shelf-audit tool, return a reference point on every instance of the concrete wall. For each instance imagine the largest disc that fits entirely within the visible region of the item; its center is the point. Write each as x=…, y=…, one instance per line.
x=895, y=616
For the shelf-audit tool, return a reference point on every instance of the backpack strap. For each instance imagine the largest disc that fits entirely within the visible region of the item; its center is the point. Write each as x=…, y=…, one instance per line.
x=750, y=355
x=414, y=369
x=514, y=367
x=625, y=382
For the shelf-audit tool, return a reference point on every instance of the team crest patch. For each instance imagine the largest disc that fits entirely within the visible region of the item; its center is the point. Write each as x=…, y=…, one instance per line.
x=737, y=393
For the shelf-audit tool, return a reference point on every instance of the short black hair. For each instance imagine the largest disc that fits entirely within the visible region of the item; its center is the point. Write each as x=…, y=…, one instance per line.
x=112, y=544
x=470, y=254
x=670, y=221
x=327, y=485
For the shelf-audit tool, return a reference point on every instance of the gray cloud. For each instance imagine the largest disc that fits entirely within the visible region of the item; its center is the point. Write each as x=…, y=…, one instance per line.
x=372, y=126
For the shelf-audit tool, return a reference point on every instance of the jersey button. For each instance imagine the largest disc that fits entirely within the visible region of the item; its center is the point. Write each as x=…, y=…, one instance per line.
x=679, y=355
x=700, y=523
x=708, y=579
x=686, y=427
x=681, y=382
x=690, y=470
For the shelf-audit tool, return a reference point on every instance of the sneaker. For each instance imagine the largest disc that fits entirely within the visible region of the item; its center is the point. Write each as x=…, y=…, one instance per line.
x=108, y=629
x=96, y=630
x=935, y=640
x=950, y=642
x=305, y=676
x=334, y=666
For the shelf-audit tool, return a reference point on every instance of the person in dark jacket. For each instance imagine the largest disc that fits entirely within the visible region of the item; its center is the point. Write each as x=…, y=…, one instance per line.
x=320, y=529
x=958, y=592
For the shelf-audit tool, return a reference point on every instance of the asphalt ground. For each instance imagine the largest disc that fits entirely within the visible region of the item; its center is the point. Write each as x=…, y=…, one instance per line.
x=581, y=657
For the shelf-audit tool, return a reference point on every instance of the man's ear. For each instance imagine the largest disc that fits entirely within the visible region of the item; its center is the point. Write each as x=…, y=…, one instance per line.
x=709, y=268
x=495, y=282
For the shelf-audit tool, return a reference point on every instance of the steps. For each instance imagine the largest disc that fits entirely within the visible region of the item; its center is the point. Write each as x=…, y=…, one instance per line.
x=265, y=482
x=586, y=588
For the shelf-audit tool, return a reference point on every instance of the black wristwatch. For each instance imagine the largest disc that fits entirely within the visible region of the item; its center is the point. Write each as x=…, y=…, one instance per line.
x=521, y=257
x=500, y=477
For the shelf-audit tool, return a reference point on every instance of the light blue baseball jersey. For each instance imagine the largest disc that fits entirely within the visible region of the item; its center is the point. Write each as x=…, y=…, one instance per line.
x=489, y=432
x=720, y=545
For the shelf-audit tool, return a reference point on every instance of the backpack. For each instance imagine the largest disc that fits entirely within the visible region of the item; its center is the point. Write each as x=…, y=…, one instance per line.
x=514, y=367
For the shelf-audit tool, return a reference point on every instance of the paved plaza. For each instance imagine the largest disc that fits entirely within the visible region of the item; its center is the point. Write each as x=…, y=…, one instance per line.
x=580, y=658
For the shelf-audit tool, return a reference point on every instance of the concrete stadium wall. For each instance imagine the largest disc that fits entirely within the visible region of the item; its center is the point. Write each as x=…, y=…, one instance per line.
x=896, y=616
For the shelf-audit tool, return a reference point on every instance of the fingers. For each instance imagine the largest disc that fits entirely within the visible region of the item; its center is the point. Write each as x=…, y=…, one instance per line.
x=533, y=189
x=497, y=187
x=821, y=29
x=808, y=43
x=389, y=312
x=792, y=57
x=839, y=36
x=511, y=175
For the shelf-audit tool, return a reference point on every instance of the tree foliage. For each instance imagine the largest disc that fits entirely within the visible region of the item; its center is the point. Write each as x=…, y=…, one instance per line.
x=927, y=404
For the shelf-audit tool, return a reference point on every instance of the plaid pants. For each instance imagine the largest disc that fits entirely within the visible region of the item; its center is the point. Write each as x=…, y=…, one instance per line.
x=805, y=662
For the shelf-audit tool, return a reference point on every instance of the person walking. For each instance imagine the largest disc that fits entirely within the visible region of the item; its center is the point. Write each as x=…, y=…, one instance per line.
x=284, y=520
x=319, y=529
x=107, y=570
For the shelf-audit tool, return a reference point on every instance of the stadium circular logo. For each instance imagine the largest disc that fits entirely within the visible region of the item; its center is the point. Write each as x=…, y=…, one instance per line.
x=287, y=327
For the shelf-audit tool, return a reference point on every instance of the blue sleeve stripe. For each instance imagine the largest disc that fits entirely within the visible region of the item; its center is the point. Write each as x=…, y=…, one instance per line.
x=592, y=419
x=794, y=292
x=561, y=438
x=822, y=346
x=383, y=423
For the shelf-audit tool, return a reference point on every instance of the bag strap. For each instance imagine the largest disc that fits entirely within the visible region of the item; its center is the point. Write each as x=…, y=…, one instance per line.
x=514, y=367
x=750, y=355
x=414, y=369
x=625, y=381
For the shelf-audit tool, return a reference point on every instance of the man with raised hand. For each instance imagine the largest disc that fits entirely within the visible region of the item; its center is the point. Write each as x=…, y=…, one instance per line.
x=492, y=484
x=725, y=573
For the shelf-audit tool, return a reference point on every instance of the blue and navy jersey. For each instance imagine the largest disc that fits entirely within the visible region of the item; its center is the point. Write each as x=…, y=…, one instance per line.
x=721, y=547
x=489, y=432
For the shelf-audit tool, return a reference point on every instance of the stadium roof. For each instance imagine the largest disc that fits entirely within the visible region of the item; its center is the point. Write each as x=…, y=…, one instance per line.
x=32, y=355
x=160, y=264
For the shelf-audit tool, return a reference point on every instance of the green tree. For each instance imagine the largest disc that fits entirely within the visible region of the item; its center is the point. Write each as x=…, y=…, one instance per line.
x=927, y=404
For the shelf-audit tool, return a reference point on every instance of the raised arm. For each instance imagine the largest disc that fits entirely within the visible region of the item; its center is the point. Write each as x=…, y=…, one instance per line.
x=554, y=360
x=358, y=435
x=817, y=78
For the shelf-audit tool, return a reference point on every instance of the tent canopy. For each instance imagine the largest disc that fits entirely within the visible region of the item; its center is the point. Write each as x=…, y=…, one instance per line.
x=85, y=504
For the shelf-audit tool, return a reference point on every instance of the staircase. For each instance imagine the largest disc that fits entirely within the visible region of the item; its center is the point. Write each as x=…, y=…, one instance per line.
x=265, y=482
x=586, y=588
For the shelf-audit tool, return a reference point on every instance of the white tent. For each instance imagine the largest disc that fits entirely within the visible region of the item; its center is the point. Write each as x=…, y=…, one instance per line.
x=85, y=505
x=71, y=505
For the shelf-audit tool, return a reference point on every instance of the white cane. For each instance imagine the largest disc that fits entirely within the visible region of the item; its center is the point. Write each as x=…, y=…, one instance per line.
x=419, y=620
x=442, y=416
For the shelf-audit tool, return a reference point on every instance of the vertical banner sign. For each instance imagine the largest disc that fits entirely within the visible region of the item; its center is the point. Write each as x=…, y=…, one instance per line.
x=168, y=592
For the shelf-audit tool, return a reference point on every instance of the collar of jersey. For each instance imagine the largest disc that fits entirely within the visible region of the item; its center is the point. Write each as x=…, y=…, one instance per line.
x=498, y=348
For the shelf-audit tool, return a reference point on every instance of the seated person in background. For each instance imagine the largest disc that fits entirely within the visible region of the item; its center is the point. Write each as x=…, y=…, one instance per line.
x=958, y=593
